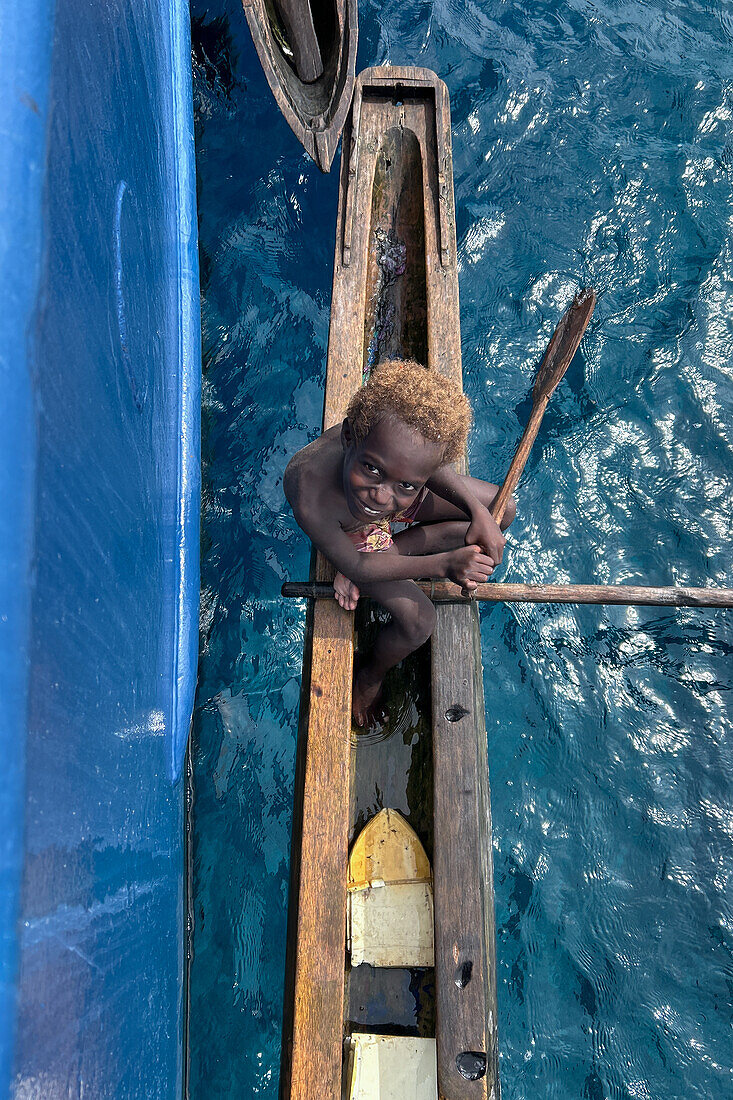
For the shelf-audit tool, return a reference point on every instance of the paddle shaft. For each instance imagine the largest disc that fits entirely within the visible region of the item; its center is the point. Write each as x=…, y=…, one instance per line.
x=514, y=473
x=519, y=461
x=558, y=357
x=624, y=594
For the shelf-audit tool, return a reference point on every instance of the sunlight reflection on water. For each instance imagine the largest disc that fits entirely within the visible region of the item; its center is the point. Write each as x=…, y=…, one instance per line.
x=592, y=144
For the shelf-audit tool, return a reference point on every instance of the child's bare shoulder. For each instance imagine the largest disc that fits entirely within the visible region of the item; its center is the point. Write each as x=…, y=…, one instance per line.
x=310, y=472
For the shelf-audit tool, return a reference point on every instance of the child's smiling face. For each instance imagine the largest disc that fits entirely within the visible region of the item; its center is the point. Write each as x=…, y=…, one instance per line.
x=384, y=472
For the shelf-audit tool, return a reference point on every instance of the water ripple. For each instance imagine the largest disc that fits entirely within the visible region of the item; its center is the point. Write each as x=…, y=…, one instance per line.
x=593, y=144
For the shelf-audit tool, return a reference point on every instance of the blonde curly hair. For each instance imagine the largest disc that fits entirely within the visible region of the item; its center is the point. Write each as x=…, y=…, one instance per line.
x=421, y=398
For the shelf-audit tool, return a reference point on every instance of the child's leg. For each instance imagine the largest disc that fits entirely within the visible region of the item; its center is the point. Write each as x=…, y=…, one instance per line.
x=412, y=613
x=412, y=623
x=434, y=509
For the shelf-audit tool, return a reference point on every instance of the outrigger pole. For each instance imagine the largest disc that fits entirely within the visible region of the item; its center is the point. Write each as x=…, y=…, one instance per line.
x=629, y=595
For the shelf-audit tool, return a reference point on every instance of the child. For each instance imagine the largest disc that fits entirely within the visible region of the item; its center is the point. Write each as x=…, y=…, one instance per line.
x=388, y=462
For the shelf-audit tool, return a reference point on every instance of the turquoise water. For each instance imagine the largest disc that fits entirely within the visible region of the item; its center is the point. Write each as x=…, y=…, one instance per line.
x=593, y=144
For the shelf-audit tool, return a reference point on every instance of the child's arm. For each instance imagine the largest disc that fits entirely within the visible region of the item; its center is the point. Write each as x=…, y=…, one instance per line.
x=467, y=566
x=483, y=530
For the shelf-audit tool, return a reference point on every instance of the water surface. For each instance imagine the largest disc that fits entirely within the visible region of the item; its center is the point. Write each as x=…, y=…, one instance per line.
x=593, y=145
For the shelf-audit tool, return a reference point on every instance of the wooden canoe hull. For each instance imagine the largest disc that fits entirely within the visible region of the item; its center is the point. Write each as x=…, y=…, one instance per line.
x=314, y=109
x=395, y=294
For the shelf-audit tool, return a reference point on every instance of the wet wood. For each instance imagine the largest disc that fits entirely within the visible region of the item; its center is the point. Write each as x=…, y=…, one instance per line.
x=465, y=971
x=555, y=362
x=308, y=54
x=297, y=20
x=500, y=592
x=313, y=1020
x=465, y=937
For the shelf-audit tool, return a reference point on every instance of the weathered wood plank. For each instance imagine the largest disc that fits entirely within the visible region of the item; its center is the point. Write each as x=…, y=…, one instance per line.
x=462, y=864
x=465, y=971
x=297, y=19
x=313, y=1042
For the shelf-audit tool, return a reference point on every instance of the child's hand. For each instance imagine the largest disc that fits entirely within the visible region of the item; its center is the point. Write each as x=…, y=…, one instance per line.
x=469, y=566
x=485, y=532
x=346, y=591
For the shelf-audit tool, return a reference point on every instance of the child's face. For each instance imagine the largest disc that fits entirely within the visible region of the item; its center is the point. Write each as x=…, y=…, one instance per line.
x=384, y=472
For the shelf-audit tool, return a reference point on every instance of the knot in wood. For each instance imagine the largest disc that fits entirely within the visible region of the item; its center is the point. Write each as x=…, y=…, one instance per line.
x=456, y=712
x=471, y=1064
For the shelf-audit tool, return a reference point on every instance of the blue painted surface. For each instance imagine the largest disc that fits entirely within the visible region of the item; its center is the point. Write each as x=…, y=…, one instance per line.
x=99, y=474
x=25, y=52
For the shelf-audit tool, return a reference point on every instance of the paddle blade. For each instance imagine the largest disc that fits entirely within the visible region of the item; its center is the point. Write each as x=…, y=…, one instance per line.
x=563, y=345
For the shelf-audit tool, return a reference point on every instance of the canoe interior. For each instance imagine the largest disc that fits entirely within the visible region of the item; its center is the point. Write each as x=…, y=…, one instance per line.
x=392, y=767
x=314, y=96
x=395, y=320
x=435, y=761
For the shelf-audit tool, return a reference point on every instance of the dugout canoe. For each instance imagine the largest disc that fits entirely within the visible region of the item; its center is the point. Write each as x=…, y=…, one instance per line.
x=395, y=295
x=307, y=49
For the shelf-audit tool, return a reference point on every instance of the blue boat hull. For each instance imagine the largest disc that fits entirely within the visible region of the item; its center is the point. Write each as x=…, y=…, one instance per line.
x=99, y=548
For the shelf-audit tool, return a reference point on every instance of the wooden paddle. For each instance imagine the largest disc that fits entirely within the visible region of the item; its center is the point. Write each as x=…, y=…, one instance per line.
x=556, y=360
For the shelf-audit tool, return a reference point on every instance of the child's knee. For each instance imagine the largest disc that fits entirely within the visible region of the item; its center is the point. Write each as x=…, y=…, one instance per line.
x=509, y=513
x=487, y=495
x=425, y=620
x=419, y=623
